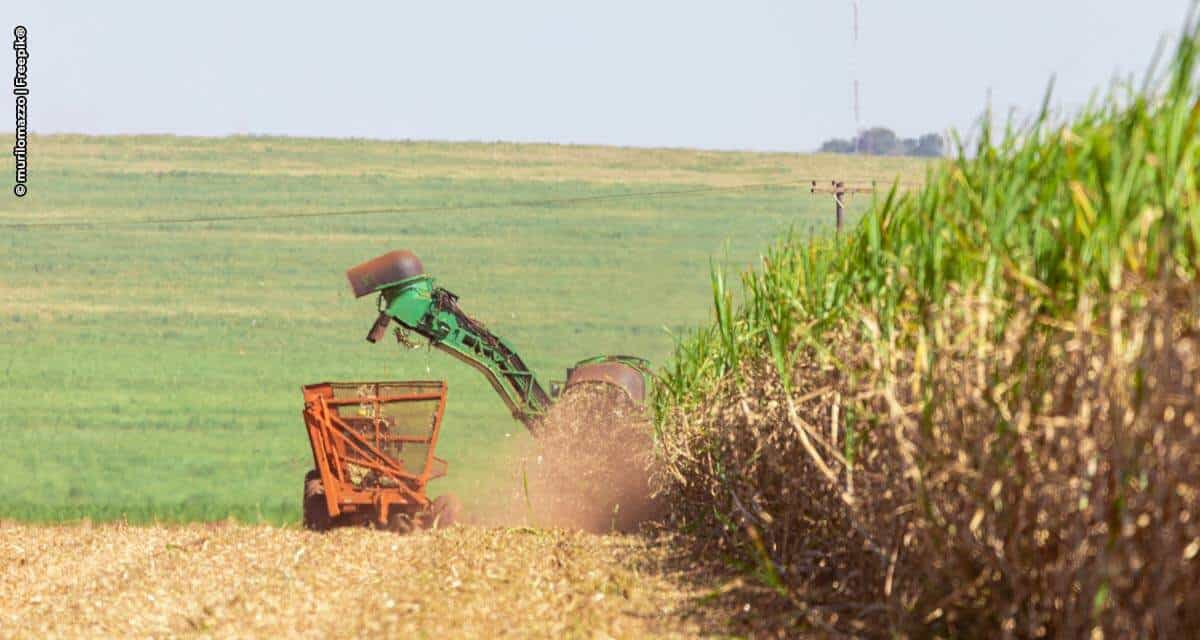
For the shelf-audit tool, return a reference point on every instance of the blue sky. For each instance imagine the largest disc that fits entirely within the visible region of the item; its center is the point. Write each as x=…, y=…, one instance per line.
x=730, y=75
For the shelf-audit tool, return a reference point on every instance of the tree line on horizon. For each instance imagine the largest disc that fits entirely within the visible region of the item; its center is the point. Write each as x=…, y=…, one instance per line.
x=881, y=141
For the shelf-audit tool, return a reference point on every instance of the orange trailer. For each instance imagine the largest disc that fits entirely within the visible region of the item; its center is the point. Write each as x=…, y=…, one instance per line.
x=373, y=446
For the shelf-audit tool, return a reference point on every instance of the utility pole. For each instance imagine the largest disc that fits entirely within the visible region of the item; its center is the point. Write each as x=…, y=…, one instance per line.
x=839, y=190
x=854, y=70
x=854, y=78
x=839, y=195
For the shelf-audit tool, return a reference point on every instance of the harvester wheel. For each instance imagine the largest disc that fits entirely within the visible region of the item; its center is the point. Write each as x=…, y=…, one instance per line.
x=316, y=510
x=444, y=513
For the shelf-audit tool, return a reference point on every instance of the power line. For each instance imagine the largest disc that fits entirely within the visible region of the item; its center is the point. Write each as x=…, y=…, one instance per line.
x=90, y=224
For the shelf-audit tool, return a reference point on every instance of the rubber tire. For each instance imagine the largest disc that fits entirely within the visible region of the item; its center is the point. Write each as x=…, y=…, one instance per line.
x=445, y=512
x=316, y=510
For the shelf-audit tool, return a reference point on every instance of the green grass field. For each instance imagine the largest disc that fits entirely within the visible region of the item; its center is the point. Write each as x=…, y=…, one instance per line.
x=153, y=371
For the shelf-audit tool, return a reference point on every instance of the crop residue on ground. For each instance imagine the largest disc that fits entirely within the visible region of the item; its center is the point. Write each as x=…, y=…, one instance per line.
x=227, y=579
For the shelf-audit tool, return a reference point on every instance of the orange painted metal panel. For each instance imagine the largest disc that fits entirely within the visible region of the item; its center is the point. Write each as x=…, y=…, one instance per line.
x=360, y=433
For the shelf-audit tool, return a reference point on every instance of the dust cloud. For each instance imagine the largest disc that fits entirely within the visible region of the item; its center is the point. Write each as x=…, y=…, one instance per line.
x=588, y=468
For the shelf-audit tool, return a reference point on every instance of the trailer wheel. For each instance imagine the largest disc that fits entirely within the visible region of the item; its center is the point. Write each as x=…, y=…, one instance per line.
x=316, y=510
x=400, y=522
x=444, y=513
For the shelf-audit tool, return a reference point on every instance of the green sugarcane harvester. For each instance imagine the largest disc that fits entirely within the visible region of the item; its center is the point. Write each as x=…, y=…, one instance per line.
x=411, y=298
x=373, y=442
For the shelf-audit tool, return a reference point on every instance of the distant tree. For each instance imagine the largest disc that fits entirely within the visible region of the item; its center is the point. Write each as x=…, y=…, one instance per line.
x=877, y=141
x=929, y=145
x=837, y=145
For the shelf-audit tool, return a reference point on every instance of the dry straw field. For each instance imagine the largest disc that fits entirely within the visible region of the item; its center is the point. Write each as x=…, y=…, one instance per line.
x=231, y=580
